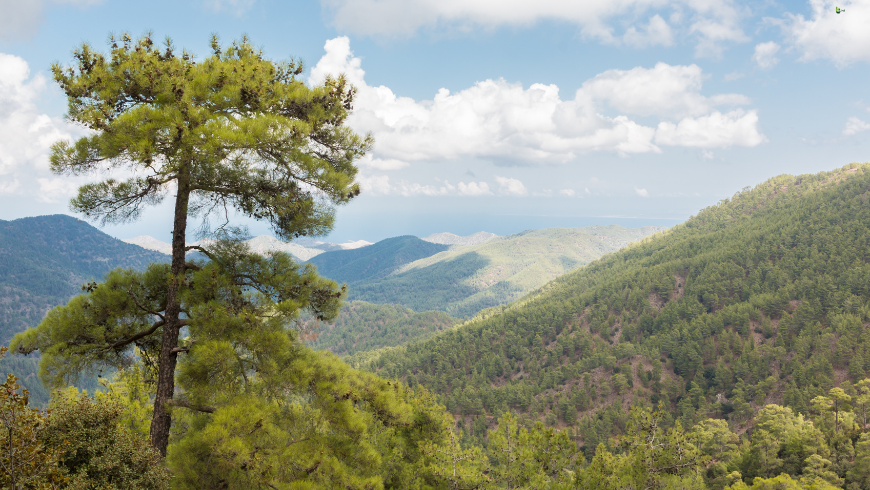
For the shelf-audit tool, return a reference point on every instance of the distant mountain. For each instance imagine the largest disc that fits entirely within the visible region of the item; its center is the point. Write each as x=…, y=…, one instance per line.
x=266, y=243
x=364, y=326
x=329, y=247
x=261, y=245
x=45, y=259
x=464, y=280
x=451, y=239
x=374, y=261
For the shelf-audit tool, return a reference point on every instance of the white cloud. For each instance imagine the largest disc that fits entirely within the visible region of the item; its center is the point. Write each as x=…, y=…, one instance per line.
x=765, y=55
x=641, y=192
x=380, y=185
x=707, y=155
x=381, y=164
x=855, y=126
x=734, y=75
x=9, y=186
x=712, y=21
x=510, y=186
x=375, y=184
x=717, y=130
x=657, y=32
x=716, y=22
x=508, y=123
x=25, y=133
x=568, y=192
x=474, y=189
x=842, y=38
x=56, y=190
x=664, y=91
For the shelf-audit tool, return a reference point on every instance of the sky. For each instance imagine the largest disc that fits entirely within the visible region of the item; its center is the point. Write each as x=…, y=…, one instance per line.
x=496, y=116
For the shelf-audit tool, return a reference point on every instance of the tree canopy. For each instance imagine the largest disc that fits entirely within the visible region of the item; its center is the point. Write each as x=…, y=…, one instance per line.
x=232, y=133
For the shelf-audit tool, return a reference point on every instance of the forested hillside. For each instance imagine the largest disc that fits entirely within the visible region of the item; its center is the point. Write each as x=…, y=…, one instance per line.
x=763, y=298
x=364, y=326
x=467, y=279
x=374, y=261
x=44, y=260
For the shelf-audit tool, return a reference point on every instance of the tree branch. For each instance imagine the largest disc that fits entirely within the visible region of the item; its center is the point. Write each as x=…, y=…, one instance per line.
x=140, y=305
x=178, y=402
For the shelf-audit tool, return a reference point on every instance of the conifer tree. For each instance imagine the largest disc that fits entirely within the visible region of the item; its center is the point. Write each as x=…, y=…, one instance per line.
x=234, y=132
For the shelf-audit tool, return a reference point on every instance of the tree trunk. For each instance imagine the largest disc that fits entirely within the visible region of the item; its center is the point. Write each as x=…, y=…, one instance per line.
x=161, y=420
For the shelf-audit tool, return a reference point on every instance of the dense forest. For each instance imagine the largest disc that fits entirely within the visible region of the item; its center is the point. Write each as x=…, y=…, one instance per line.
x=362, y=326
x=760, y=299
x=44, y=261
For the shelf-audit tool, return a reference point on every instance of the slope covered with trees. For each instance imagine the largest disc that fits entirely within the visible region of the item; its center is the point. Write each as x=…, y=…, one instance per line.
x=374, y=261
x=362, y=326
x=760, y=299
x=466, y=279
x=44, y=260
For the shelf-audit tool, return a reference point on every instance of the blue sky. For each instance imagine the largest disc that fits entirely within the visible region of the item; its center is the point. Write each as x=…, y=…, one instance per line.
x=499, y=115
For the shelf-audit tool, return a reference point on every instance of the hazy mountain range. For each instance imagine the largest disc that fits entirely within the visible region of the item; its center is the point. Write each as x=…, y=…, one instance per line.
x=260, y=244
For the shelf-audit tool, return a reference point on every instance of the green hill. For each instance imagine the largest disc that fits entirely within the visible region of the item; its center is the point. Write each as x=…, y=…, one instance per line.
x=373, y=261
x=364, y=326
x=44, y=260
x=763, y=298
x=464, y=280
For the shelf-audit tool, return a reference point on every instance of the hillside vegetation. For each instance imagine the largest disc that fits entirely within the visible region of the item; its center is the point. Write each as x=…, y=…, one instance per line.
x=44, y=260
x=364, y=326
x=374, y=261
x=763, y=298
x=466, y=279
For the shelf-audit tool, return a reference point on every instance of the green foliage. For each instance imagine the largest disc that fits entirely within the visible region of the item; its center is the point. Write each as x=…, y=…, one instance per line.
x=25, y=460
x=98, y=449
x=362, y=326
x=43, y=262
x=467, y=279
x=653, y=457
x=235, y=129
x=538, y=458
x=330, y=427
x=783, y=482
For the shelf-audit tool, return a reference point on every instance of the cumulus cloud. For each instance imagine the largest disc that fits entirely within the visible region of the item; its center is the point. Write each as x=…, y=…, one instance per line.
x=641, y=192
x=508, y=123
x=509, y=186
x=474, y=189
x=765, y=55
x=855, y=126
x=842, y=38
x=712, y=22
x=375, y=184
x=25, y=134
x=717, y=130
x=381, y=164
x=567, y=192
x=56, y=190
x=664, y=91
x=657, y=32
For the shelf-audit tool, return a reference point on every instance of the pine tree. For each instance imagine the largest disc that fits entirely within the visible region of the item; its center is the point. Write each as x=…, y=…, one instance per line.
x=234, y=131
